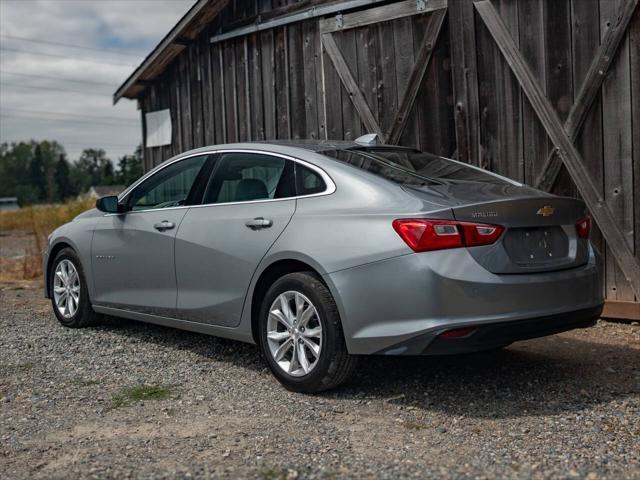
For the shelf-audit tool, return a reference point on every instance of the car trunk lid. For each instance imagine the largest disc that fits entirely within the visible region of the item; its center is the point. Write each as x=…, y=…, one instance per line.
x=540, y=229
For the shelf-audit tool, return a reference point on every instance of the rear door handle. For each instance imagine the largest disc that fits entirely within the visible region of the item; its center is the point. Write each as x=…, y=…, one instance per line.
x=164, y=225
x=258, y=223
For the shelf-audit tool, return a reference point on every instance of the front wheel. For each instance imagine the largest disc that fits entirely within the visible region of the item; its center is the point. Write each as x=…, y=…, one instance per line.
x=69, y=294
x=301, y=335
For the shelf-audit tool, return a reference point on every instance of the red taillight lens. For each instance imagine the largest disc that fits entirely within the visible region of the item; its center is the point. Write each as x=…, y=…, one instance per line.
x=458, y=332
x=478, y=234
x=423, y=235
x=583, y=227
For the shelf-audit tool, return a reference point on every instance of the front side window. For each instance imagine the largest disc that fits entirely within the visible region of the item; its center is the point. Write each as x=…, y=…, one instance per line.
x=169, y=187
x=244, y=177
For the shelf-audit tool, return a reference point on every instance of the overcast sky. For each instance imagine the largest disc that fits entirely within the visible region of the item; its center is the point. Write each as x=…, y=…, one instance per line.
x=51, y=90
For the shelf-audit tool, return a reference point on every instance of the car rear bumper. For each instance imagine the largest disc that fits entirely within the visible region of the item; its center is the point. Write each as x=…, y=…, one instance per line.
x=495, y=335
x=386, y=304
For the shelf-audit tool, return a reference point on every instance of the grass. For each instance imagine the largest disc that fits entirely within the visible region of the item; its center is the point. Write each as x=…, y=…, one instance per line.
x=271, y=473
x=16, y=368
x=39, y=221
x=81, y=382
x=414, y=426
x=140, y=393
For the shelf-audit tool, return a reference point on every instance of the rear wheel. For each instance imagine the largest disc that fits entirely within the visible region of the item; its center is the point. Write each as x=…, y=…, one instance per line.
x=301, y=335
x=69, y=295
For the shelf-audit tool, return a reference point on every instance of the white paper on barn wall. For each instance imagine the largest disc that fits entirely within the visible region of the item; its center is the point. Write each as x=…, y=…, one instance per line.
x=158, y=126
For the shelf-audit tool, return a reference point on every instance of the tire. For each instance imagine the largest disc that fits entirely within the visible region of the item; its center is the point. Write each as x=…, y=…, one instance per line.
x=333, y=365
x=83, y=315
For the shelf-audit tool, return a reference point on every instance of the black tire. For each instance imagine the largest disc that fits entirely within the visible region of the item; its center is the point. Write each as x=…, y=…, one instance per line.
x=84, y=315
x=334, y=365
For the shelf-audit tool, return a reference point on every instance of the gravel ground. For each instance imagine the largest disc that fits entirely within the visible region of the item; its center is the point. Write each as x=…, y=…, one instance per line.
x=566, y=406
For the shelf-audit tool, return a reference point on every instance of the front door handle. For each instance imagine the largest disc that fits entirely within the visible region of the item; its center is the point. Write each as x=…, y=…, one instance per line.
x=164, y=225
x=259, y=223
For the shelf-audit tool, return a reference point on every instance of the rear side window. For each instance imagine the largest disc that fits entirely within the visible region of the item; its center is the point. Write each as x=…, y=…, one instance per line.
x=308, y=181
x=245, y=177
x=412, y=167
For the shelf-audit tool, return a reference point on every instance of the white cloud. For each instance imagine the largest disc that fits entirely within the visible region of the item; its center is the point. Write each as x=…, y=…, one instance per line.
x=131, y=26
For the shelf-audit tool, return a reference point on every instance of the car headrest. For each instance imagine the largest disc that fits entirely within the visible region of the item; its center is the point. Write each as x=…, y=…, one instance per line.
x=251, y=189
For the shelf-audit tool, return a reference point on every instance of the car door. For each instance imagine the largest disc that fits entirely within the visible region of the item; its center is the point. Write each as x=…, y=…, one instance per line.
x=247, y=204
x=133, y=252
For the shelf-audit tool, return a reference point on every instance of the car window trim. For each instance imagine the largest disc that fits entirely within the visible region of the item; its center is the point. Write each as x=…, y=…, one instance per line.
x=329, y=183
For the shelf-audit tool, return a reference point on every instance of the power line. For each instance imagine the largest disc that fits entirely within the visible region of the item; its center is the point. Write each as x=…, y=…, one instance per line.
x=66, y=114
x=57, y=55
x=70, y=45
x=50, y=77
x=33, y=87
x=64, y=120
x=96, y=145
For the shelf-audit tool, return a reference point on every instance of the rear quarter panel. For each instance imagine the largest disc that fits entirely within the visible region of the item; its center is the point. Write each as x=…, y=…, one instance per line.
x=352, y=226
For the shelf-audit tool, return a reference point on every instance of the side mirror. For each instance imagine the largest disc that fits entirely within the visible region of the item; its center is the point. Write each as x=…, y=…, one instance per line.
x=109, y=204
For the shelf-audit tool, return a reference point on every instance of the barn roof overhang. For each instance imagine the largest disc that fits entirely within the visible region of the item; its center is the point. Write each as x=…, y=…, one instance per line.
x=186, y=30
x=204, y=11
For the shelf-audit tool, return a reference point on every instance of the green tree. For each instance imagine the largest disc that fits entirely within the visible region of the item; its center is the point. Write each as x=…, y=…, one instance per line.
x=92, y=168
x=14, y=172
x=62, y=177
x=130, y=167
x=39, y=171
x=50, y=152
x=37, y=177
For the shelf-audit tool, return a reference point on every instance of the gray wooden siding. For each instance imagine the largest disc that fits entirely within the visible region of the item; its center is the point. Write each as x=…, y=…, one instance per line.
x=281, y=84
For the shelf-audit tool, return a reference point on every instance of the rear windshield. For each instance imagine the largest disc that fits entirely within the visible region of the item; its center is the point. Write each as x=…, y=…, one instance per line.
x=411, y=167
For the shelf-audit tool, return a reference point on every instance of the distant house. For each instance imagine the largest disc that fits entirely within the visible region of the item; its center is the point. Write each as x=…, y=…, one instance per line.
x=9, y=203
x=99, y=191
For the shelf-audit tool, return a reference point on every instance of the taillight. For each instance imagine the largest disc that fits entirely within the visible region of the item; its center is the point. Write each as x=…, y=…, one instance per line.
x=458, y=332
x=423, y=235
x=583, y=227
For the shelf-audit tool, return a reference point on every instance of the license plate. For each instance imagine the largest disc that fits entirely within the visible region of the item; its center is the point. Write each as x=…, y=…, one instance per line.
x=538, y=245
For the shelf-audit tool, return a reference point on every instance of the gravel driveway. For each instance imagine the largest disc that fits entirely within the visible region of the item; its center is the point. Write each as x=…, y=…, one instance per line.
x=133, y=400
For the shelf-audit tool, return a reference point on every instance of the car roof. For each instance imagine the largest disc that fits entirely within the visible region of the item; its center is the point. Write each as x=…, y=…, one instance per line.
x=317, y=146
x=320, y=146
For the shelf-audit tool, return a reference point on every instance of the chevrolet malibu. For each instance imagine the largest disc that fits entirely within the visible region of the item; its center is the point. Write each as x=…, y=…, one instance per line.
x=320, y=252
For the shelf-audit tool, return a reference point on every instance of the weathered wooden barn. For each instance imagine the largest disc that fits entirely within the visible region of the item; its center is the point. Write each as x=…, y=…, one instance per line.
x=544, y=91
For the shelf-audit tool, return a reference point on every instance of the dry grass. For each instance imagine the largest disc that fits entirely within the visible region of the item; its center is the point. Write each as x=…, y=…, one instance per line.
x=34, y=223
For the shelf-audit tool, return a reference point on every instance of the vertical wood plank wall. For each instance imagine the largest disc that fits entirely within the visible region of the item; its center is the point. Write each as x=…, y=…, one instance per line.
x=280, y=84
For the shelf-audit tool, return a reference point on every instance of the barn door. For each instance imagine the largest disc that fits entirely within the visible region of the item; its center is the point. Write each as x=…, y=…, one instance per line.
x=560, y=118
x=376, y=62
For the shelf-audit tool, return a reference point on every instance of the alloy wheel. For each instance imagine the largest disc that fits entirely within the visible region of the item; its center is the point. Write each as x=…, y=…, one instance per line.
x=294, y=333
x=66, y=288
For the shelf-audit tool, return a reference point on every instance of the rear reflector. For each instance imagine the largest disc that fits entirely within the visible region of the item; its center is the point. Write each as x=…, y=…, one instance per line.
x=458, y=332
x=583, y=227
x=423, y=235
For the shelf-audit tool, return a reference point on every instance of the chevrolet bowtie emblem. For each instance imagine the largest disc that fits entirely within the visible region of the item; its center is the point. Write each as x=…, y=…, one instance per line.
x=546, y=211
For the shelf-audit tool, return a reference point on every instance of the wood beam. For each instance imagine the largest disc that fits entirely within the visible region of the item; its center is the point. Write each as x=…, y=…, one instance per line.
x=462, y=32
x=351, y=85
x=415, y=80
x=564, y=146
x=589, y=90
x=621, y=310
x=385, y=13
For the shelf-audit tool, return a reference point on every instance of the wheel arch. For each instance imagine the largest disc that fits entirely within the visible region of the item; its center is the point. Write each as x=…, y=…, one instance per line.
x=270, y=274
x=55, y=249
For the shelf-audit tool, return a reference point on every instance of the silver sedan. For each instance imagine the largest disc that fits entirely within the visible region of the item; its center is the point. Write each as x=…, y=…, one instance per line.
x=323, y=251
